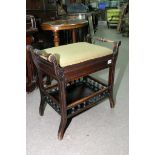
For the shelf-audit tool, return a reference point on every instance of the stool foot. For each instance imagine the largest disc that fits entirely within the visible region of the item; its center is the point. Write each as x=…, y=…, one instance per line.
x=62, y=128
x=42, y=106
x=112, y=103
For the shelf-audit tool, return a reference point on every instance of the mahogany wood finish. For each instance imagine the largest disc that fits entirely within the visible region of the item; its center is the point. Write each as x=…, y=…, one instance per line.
x=75, y=90
x=68, y=24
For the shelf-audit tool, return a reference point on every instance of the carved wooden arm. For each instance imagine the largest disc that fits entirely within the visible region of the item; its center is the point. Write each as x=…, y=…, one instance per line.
x=49, y=60
x=116, y=44
x=100, y=39
x=104, y=40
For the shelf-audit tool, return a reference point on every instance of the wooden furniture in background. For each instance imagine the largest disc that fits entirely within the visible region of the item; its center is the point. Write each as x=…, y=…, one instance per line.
x=113, y=17
x=68, y=24
x=42, y=10
x=30, y=71
x=94, y=14
x=124, y=16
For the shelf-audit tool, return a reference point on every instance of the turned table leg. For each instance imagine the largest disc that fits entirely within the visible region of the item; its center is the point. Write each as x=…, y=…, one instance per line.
x=56, y=38
x=74, y=35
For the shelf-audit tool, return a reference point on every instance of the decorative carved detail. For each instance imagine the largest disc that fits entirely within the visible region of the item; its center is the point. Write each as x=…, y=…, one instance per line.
x=59, y=71
x=92, y=84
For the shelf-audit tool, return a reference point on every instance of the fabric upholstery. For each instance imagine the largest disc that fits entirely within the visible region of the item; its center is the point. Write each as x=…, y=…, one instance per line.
x=113, y=15
x=113, y=19
x=76, y=53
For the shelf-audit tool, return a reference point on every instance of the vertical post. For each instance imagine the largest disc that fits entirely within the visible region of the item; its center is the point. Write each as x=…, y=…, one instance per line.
x=111, y=84
x=62, y=99
x=30, y=70
x=112, y=73
x=42, y=95
x=73, y=35
x=56, y=38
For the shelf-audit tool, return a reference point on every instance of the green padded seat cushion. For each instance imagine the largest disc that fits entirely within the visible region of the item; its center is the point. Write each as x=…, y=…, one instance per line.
x=76, y=53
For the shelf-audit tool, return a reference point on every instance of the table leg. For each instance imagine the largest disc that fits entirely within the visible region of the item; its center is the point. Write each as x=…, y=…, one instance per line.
x=56, y=38
x=73, y=35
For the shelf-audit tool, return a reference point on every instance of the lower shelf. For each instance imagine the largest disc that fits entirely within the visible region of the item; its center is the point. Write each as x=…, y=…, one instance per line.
x=81, y=95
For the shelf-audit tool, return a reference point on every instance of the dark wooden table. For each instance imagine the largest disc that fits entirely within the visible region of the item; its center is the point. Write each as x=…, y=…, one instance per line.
x=64, y=24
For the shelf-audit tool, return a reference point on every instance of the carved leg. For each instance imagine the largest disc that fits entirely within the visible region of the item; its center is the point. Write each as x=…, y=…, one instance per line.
x=42, y=105
x=63, y=122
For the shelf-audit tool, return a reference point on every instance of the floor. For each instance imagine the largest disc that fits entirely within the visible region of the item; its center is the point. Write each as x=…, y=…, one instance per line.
x=99, y=131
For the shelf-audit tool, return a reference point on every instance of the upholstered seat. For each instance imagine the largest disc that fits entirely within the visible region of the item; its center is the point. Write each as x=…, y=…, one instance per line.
x=76, y=53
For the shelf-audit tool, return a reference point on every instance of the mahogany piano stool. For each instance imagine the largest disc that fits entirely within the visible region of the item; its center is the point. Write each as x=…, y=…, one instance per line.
x=75, y=90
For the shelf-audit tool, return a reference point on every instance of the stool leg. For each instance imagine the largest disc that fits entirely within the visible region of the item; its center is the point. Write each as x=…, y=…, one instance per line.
x=112, y=103
x=42, y=96
x=110, y=84
x=62, y=99
x=42, y=105
x=62, y=128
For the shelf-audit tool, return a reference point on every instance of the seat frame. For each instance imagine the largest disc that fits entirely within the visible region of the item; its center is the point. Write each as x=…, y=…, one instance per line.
x=70, y=76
